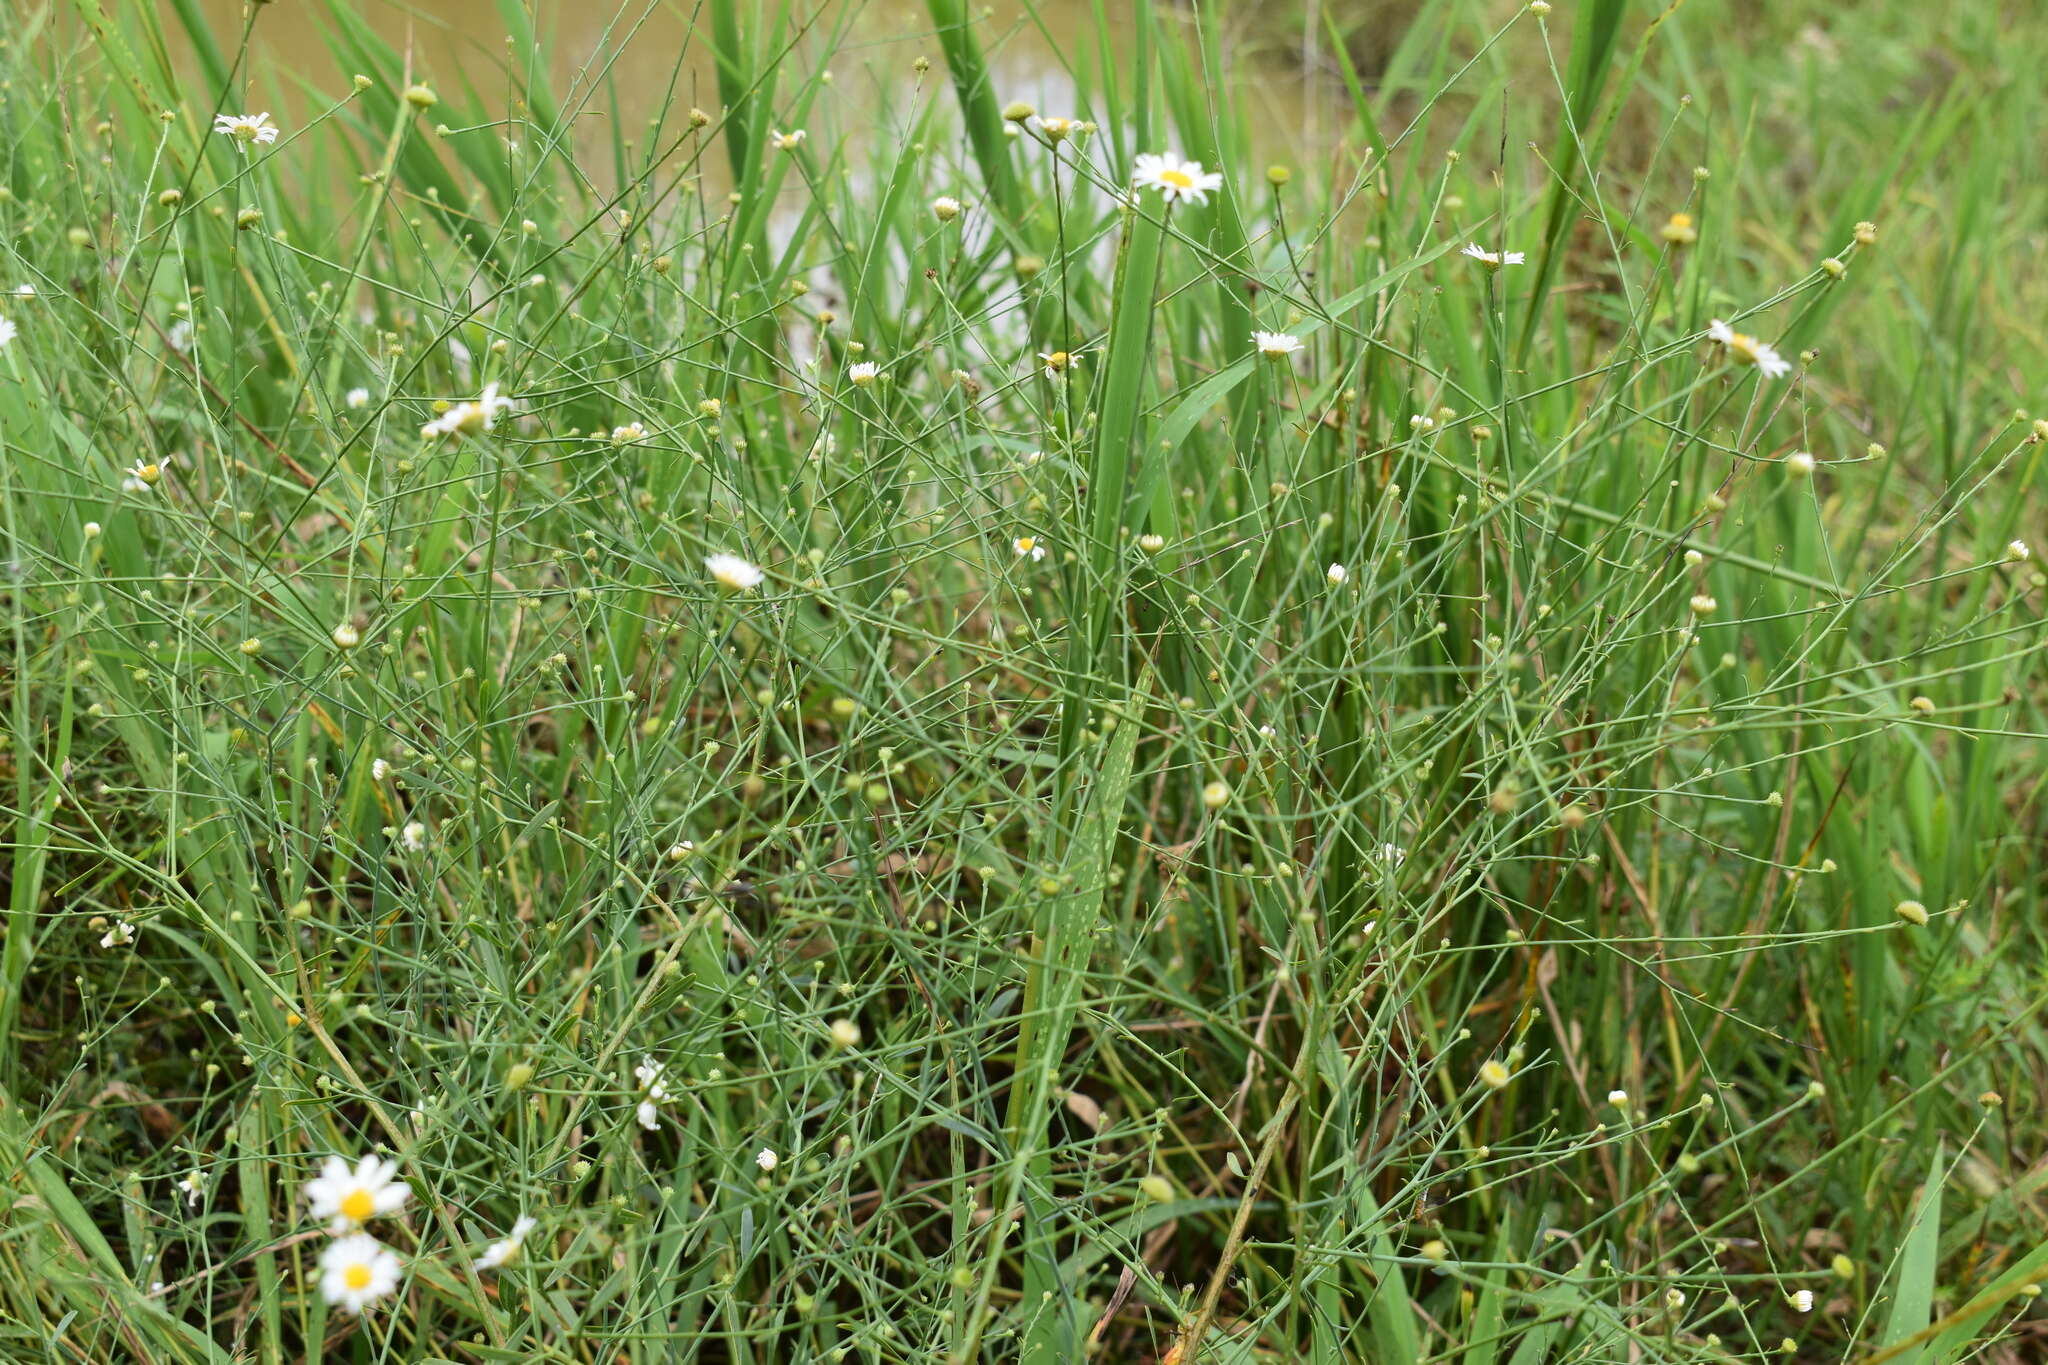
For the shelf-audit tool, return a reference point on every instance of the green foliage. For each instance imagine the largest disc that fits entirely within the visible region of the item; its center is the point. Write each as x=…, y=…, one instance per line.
x=1176, y=848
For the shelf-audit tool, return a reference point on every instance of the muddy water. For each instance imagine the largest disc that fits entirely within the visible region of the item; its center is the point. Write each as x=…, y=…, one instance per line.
x=647, y=53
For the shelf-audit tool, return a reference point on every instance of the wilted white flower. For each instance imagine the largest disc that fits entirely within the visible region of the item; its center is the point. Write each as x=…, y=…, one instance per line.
x=246, y=128
x=194, y=1186
x=1748, y=350
x=1174, y=178
x=649, y=1117
x=1057, y=363
x=357, y=1271
x=1492, y=260
x=415, y=836
x=505, y=1248
x=348, y=1198
x=379, y=770
x=1393, y=855
x=120, y=936
x=766, y=1159
x=734, y=572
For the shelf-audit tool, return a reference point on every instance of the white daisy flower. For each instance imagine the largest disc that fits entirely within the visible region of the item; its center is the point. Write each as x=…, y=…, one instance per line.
x=1393, y=855
x=7, y=331
x=246, y=128
x=786, y=142
x=415, y=836
x=1419, y=422
x=144, y=472
x=1802, y=1300
x=766, y=1159
x=1336, y=573
x=357, y=398
x=649, y=1074
x=1618, y=1098
x=1028, y=546
x=734, y=572
x=1276, y=344
x=1748, y=350
x=2018, y=551
x=1055, y=129
x=379, y=770
x=863, y=374
x=347, y=1198
x=470, y=419
x=357, y=1271
x=1174, y=178
x=1057, y=363
x=194, y=1186
x=120, y=936
x=179, y=335
x=505, y=1248
x=648, y=1116
x=946, y=208
x=629, y=433
x=1492, y=260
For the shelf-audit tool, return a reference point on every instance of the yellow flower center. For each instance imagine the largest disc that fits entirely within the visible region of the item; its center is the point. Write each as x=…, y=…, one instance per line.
x=149, y=473
x=356, y=1276
x=1057, y=360
x=358, y=1205
x=1743, y=347
x=1025, y=545
x=1178, y=179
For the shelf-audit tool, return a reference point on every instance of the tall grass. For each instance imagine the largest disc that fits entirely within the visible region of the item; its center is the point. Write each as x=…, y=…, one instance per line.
x=1510, y=835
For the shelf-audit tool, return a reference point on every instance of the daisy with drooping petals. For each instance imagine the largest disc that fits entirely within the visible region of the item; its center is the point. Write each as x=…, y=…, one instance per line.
x=787, y=142
x=863, y=374
x=347, y=1198
x=357, y=1271
x=1057, y=363
x=505, y=1248
x=1030, y=547
x=470, y=419
x=1276, y=345
x=246, y=128
x=1748, y=350
x=1176, y=179
x=733, y=572
x=1492, y=260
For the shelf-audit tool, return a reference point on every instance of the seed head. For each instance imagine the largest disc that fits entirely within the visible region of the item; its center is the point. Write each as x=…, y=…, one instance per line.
x=1912, y=912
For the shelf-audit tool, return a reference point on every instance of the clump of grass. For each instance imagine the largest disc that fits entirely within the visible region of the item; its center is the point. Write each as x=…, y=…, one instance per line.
x=837, y=741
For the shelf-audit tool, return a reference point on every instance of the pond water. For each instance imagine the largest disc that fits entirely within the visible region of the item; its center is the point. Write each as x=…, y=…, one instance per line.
x=649, y=52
